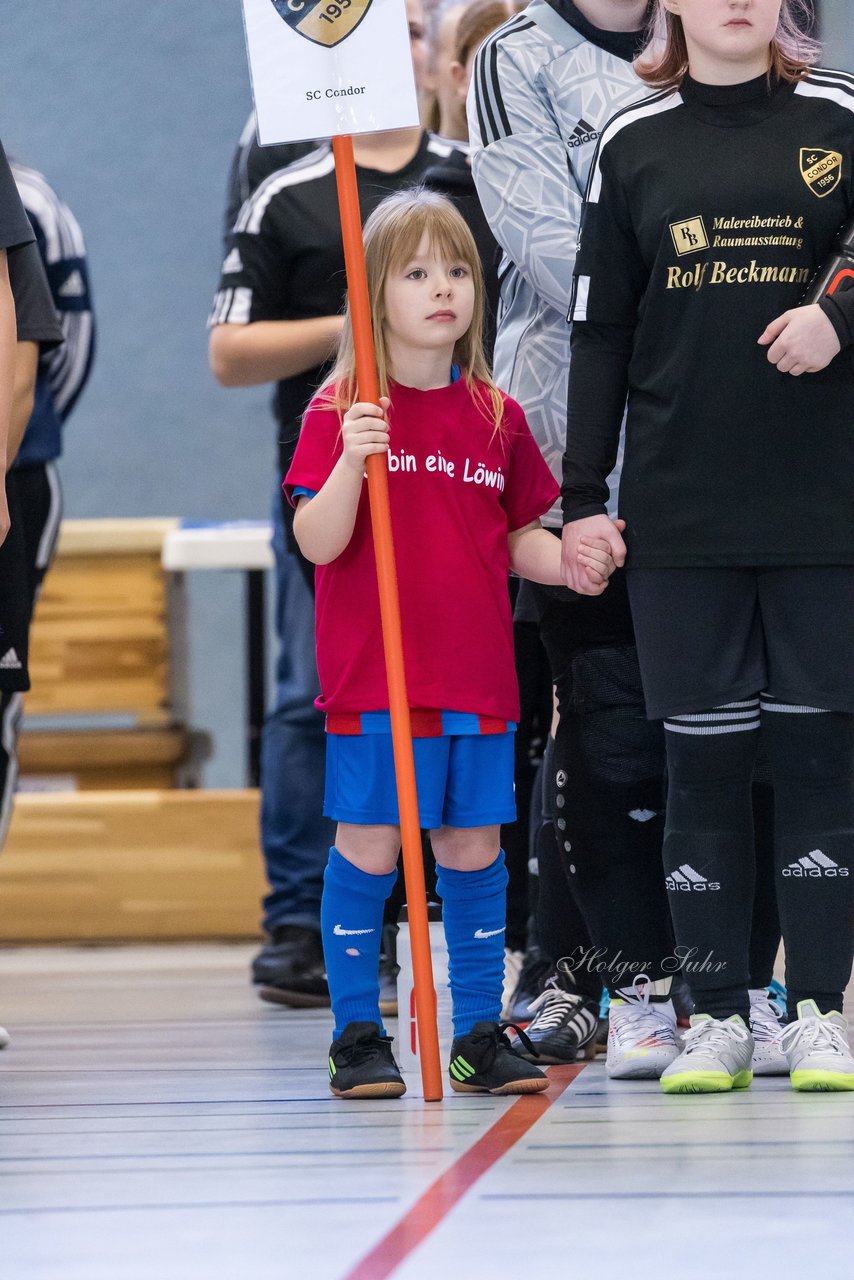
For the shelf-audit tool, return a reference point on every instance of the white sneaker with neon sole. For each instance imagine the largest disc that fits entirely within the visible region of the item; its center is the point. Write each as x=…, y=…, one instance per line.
x=642, y=1039
x=766, y=1029
x=716, y=1057
x=817, y=1049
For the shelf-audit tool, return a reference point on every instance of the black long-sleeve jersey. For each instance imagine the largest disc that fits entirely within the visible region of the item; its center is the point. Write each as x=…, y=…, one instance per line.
x=285, y=258
x=707, y=213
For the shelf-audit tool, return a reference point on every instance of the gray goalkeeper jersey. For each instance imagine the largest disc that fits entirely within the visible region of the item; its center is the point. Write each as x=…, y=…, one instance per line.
x=541, y=91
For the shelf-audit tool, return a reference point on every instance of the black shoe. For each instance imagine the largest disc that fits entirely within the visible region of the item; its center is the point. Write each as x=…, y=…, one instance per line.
x=564, y=1022
x=484, y=1061
x=290, y=969
x=361, y=1064
x=535, y=969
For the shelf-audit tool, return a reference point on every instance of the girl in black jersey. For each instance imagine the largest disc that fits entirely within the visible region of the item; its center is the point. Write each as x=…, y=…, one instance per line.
x=711, y=205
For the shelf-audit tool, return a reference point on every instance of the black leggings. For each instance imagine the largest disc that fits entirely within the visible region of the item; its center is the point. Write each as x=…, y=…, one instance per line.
x=710, y=842
x=606, y=795
x=36, y=506
x=535, y=698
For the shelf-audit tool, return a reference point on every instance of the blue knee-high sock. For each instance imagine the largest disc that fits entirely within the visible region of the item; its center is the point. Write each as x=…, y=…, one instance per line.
x=474, y=912
x=351, y=918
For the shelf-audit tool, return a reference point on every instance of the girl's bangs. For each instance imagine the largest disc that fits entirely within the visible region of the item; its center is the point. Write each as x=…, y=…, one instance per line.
x=448, y=236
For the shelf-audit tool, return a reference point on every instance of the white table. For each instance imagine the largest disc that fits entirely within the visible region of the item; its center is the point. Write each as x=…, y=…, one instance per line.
x=243, y=545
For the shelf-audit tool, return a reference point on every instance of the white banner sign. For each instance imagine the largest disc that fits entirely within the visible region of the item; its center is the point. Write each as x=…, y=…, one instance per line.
x=325, y=67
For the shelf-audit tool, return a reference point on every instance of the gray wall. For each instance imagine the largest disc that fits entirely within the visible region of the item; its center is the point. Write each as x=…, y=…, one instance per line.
x=837, y=32
x=132, y=111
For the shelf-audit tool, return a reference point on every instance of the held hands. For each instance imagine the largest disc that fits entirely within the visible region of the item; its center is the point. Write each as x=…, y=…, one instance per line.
x=801, y=341
x=591, y=549
x=364, y=431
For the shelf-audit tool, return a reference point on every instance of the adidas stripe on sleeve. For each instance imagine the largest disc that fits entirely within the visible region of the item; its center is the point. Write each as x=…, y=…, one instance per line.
x=528, y=192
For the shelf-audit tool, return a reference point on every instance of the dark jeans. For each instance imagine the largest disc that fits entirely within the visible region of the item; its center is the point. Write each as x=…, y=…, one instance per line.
x=295, y=837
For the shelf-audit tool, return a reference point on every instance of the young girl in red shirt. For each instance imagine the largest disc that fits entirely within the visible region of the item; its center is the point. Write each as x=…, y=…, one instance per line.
x=467, y=488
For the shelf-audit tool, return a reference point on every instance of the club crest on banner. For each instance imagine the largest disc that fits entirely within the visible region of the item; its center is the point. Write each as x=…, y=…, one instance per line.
x=325, y=22
x=821, y=170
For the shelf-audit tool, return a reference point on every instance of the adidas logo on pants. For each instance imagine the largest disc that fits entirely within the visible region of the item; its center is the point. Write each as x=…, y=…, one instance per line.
x=685, y=879
x=815, y=864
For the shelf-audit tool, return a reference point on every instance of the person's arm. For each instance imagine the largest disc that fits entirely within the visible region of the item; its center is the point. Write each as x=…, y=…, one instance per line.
x=803, y=340
x=243, y=355
x=39, y=335
x=807, y=338
x=8, y=342
x=250, y=341
x=522, y=174
x=23, y=396
x=323, y=525
x=610, y=278
x=598, y=385
x=535, y=554
x=596, y=401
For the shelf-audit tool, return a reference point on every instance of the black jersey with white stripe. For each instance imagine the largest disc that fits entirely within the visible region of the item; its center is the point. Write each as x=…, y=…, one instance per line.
x=285, y=259
x=251, y=164
x=15, y=227
x=707, y=213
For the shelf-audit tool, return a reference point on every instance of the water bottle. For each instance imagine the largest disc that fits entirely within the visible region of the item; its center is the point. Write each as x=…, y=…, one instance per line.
x=406, y=1043
x=836, y=275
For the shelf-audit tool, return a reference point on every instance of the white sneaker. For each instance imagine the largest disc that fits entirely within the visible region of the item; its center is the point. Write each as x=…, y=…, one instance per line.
x=817, y=1049
x=5, y=1038
x=766, y=1029
x=513, y=961
x=641, y=1035
x=716, y=1057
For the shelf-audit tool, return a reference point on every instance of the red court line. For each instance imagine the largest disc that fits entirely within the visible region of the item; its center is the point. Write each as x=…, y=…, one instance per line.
x=431, y=1208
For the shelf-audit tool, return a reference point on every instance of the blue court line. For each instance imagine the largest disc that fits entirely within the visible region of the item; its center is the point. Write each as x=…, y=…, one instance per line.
x=725, y=1117
x=186, y=1102
x=143, y=1071
x=333, y=1106
x=605, y=1147
x=213, y=1129
x=219, y=1155
x=668, y=1195
x=202, y=1204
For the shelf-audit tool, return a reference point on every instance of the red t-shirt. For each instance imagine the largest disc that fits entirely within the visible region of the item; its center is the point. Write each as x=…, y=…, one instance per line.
x=457, y=489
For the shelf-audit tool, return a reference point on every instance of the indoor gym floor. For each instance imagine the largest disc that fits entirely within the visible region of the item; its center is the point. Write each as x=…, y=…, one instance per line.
x=158, y=1122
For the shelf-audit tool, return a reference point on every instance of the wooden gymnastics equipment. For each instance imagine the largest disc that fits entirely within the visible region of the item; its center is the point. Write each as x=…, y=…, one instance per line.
x=120, y=853
x=107, y=646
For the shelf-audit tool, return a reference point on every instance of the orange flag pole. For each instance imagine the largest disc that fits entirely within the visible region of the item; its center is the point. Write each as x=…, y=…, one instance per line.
x=401, y=729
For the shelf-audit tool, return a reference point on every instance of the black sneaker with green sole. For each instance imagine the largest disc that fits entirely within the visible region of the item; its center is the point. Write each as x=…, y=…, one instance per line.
x=361, y=1064
x=484, y=1061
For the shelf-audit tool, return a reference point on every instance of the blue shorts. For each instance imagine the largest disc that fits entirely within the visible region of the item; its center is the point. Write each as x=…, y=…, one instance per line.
x=464, y=781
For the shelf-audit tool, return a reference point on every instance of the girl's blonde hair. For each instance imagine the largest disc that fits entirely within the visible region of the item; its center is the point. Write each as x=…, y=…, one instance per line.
x=664, y=61
x=392, y=235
